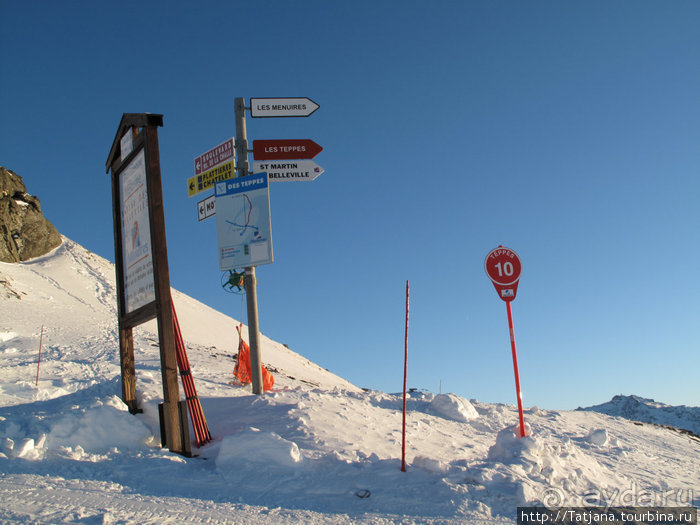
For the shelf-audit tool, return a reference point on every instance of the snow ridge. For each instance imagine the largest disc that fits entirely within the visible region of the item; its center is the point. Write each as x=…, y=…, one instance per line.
x=636, y=408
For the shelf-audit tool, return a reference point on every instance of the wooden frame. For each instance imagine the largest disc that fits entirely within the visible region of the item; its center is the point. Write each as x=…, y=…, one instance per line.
x=144, y=130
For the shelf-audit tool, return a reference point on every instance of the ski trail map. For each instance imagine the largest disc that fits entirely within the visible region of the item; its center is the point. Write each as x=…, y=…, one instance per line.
x=243, y=222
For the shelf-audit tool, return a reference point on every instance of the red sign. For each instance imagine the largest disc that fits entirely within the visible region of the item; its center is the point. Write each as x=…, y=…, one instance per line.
x=214, y=157
x=503, y=267
x=285, y=149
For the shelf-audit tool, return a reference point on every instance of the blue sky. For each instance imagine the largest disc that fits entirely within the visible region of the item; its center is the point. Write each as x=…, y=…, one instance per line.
x=565, y=131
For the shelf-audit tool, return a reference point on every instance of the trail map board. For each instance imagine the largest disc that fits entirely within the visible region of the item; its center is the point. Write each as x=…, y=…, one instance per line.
x=243, y=221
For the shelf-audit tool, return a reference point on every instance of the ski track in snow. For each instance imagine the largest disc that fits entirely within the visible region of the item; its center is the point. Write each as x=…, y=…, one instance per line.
x=303, y=453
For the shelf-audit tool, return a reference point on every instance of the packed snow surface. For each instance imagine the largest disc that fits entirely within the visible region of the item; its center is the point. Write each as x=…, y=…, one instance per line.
x=316, y=449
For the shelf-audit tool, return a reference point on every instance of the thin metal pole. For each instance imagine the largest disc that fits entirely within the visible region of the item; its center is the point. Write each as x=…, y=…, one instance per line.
x=41, y=338
x=515, y=369
x=405, y=370
x=250, y=281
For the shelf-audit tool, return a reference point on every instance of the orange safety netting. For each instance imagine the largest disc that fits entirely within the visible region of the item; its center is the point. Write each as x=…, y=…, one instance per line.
x=242, y=368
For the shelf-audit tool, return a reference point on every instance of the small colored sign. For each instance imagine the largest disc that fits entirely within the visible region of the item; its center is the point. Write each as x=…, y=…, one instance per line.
x=291, y=170
x=215, y=156
x=207, y=179
x=503, y=267
x=285, y=149
x=243, y=221
x=127, y=144
x=206, y=208
x=282, y=107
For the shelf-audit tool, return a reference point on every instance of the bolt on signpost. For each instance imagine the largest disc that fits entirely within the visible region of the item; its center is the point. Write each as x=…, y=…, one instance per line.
x=503, y=267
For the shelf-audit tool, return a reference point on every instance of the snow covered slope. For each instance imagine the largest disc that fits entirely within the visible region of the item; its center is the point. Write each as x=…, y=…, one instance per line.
x=72, y=293
x=315, y=450
x=645, y=410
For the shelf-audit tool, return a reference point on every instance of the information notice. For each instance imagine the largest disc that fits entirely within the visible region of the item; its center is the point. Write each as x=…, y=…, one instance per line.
x=615, y=515
x=243, y=222
x=139, y=288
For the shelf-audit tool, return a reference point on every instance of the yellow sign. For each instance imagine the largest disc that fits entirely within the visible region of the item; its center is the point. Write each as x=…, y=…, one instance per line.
x=206, y=180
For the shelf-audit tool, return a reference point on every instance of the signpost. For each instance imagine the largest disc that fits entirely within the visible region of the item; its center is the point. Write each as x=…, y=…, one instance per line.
x=215, y=156
x=243, y=208
x=205, y=180
x=503, y=267
x=289, y=170
x=285, y=149
x=213, y=166
x=282, y=107
x=206, y=208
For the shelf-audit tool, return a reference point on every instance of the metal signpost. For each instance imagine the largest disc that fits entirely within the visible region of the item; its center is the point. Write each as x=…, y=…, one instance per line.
x=143, y=278
x=503, y=267
x=243, y=206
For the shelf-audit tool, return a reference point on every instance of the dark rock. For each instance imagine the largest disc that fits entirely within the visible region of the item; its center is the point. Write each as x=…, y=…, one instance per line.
x=24, y=231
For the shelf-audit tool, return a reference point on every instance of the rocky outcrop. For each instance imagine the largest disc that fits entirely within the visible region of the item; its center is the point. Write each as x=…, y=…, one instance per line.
x=24, y=231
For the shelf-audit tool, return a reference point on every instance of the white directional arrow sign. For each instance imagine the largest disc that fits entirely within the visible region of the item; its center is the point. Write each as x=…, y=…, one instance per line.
x=288, y=170
x=206, y=208
x=282, y=107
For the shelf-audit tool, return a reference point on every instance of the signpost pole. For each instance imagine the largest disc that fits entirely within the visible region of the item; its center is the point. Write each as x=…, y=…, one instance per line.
x=250, y=280
x=515, y=369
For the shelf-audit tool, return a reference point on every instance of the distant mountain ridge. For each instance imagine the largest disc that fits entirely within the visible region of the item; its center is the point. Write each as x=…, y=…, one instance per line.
x=636, y=408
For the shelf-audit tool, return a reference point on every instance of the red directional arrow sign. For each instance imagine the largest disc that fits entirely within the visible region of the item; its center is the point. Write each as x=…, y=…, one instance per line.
x=285, y=149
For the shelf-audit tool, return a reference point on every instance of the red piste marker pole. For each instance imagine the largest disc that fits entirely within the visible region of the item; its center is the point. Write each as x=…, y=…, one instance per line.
x=405, y=369
x=515, y=369
x=503, y=267
x=38, y=364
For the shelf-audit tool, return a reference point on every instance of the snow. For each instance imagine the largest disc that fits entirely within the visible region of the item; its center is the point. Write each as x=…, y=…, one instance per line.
x=453, y=407
x=264, y=450
x=598, y=437
x=316, y=449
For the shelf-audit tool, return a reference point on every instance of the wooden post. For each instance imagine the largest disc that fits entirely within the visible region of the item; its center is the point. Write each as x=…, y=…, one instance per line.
x=164, y=308
x=126, y=358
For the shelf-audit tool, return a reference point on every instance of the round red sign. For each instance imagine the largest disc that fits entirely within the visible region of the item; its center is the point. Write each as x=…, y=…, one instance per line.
x=503, y=266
